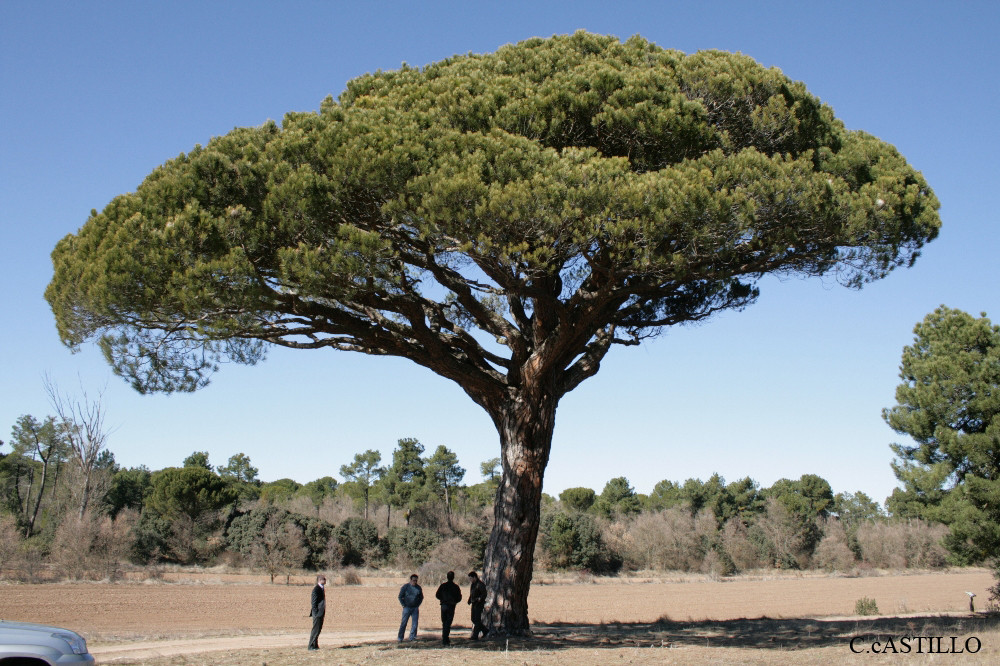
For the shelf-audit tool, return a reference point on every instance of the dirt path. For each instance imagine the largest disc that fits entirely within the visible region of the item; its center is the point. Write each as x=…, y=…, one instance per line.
x=133, y=651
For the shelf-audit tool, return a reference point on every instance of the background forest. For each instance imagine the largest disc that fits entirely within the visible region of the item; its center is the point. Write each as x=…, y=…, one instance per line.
x=67, y=509
x=417, y=512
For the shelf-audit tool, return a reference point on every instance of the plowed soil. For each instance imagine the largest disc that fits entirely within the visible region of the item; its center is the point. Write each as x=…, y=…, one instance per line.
x=188, y=617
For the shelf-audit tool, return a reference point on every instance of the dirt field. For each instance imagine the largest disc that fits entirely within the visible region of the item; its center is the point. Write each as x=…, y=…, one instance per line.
x=208, y=618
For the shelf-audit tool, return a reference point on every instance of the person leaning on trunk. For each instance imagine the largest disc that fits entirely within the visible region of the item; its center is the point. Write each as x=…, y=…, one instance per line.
x=477, y=599
x=449, y=594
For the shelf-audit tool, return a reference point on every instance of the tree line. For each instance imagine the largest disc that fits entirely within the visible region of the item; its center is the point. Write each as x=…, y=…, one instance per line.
x=415, y=511
x=65, y=502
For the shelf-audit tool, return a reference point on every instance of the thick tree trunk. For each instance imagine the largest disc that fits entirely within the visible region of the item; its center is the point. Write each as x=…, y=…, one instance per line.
x=525, y=438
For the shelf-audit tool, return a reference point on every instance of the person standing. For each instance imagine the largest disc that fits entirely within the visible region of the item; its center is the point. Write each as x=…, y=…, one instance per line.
x=317, y=610
x=449, y=594
x=411, y=596
x=477, y=599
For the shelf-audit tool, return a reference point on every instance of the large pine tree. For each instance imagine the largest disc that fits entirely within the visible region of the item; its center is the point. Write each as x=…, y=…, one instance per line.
x=503, y=220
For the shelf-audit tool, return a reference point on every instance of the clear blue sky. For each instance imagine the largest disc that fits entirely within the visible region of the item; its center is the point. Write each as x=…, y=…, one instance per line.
x=94, y=95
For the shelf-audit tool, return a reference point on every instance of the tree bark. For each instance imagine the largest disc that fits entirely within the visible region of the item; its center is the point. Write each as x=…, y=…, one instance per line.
x=38, y=501
x=525, y=428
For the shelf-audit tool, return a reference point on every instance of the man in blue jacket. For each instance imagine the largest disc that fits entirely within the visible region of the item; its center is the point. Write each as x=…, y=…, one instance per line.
x=410, y=598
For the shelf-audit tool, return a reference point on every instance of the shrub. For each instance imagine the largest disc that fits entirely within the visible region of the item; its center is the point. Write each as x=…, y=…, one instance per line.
x=332, y=554
x=317, y=535
x=449, y=555
x=476, y=537
x=410, y=547
x=577, y=499
x=93, y=547
x=279, y=547
x=993, y=603
x=739, y=547
x=10, y=541
x=359, y=542
x=865, y=606
x=152, y=534
x=789, y=535
x=245, y=531
x=668, y=540
x=902, y=544
x=575, y=541
x=833, y=552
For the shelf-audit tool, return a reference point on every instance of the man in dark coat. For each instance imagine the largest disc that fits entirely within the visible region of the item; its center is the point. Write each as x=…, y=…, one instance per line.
x=317, y=611
x=449, y=594
x=411, y=596
x=477, y=599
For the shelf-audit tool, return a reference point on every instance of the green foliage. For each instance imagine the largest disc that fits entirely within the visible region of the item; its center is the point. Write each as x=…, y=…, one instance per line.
x=476, y=537
x=666, y=494
x=794, y=531
x=661, y=184
x=501, y=219
x=319, y=489
x=152, y=539
x=809, y=497
x=245, y=529
x=238, y=469
x=128, y=489
x=738, y=498
x=402, y=485
x=198, y=459
x=993, y=602
x=411, y=546
x=856, y=508
x=491, y=470
x=949, y=404
x=741, y=498
x=443, y=471
x=359, y=542
x=317, y=534
x=574, y=541
x=618, y=497
x=188, y=491
x=482, y=494
x=577, y=499
x=865, y=606
x=443, y=475
x=363, y=473
x=279, y=491
x=30, y=473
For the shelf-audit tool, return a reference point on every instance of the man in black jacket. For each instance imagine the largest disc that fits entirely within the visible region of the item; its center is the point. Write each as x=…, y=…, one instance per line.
x=317, y=611
x=477, y=599
x=449, y=594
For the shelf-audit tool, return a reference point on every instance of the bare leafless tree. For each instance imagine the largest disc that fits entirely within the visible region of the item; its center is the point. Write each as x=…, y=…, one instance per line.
x=85, y=433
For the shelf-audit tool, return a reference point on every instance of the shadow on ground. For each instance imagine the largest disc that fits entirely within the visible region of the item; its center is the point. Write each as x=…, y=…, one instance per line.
x=762, y=633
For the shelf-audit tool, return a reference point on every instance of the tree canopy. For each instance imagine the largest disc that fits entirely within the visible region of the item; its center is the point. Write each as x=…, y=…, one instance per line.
x=949, y=404
x=501, y=219
x=572, y=193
